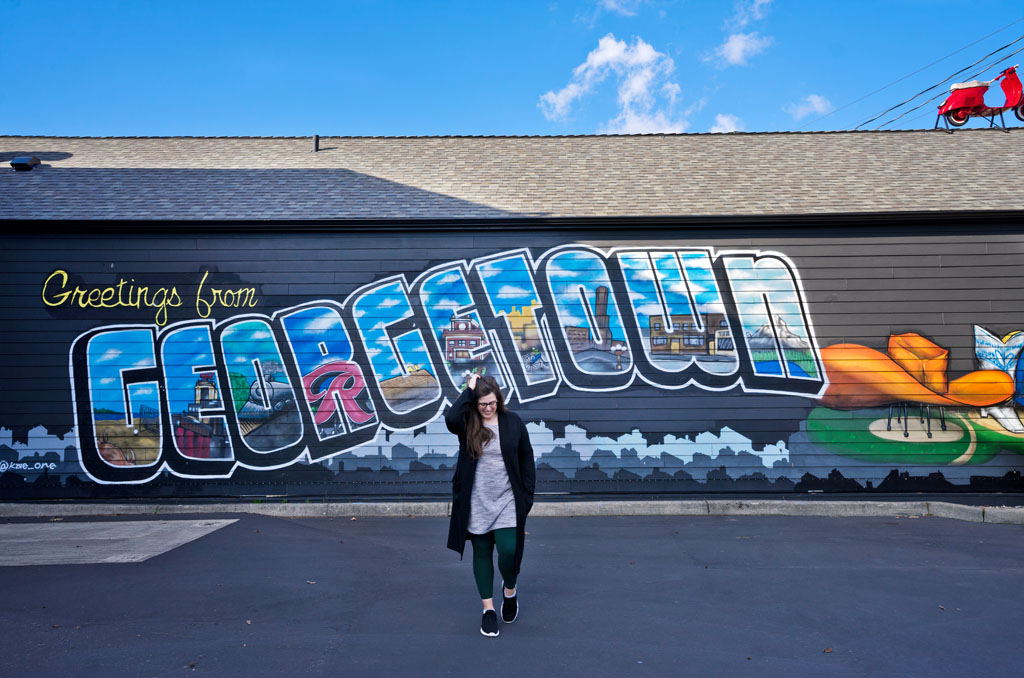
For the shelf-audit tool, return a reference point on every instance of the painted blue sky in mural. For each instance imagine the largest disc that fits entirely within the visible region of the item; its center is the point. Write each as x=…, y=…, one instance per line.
x=390, y=356
x=536, y=67
x=108, y=358
x=516, y=289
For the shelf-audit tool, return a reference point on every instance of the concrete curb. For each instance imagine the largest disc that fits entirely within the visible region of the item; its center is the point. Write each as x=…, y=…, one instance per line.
x=703, y=507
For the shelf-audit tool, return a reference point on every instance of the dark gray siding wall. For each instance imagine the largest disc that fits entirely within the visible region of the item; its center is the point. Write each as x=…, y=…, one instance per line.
x=867, y=357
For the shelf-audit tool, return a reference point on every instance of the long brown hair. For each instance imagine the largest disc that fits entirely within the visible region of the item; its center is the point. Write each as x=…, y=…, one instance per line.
x=478, y=435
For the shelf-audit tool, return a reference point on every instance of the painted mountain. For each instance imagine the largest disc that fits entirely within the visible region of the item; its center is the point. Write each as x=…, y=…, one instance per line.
x=764, y=338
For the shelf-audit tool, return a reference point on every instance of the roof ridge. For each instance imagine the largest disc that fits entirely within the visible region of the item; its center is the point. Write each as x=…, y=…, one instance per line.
x=511, y=136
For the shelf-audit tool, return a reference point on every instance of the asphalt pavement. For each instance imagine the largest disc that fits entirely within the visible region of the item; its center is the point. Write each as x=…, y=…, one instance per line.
x=600, y=596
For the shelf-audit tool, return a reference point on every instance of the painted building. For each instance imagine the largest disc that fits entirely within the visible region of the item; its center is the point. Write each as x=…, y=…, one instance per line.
x=700, y=334
x=461, y=340
x=669, y=313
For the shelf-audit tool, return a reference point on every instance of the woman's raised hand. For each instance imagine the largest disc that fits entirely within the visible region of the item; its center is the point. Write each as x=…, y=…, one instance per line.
x=471, y=381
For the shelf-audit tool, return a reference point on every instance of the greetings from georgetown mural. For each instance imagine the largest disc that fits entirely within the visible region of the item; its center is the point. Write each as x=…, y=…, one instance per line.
x=655, y=364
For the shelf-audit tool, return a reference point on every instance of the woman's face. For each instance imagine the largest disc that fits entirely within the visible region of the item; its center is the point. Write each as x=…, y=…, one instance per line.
x=487, y=405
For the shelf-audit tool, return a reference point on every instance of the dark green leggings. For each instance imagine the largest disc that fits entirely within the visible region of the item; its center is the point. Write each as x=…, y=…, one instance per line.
x=483, y=559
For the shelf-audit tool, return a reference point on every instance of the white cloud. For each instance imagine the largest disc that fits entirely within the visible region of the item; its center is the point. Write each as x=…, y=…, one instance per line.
x=739, y=47
x=622, y=7
x=812, y=103
x=671, y=92
x=726, y=122
x=642, y=74
x=747, y=12
x=630, y=122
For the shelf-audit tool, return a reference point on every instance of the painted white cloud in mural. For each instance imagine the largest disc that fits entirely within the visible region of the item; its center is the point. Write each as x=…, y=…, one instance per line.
x=559, y=271
x=650, y=309
x=319, y=323
x=644, y=274
x=108, y=355
x=447, y=305
x=491, y=269
x=449, y=279
x=514, y=292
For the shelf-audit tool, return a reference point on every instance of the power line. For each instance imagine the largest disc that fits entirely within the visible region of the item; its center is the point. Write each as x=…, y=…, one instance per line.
x=899, y=80
x=942, y=82
x=940, y=94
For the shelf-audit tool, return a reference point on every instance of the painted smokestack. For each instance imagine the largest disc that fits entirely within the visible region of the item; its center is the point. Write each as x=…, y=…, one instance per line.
x=602, y=318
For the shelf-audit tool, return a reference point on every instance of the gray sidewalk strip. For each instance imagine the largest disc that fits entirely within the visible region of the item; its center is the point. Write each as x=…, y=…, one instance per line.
x=689, y=507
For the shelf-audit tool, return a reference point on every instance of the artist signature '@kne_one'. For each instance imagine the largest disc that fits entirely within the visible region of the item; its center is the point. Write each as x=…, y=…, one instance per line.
x=25, y=466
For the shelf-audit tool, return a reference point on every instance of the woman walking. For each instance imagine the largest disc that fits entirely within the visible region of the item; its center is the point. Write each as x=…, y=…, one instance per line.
x=492, y=492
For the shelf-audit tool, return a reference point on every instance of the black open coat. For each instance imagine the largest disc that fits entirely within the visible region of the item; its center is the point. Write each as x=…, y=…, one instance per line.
x=518, y=455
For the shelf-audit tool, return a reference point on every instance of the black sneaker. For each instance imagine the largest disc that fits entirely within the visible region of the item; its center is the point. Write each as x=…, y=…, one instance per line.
x=509, y=606
x=489, y=624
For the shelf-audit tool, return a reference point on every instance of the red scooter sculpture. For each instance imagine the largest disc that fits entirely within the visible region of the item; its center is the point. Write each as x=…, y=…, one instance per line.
x=968, y=98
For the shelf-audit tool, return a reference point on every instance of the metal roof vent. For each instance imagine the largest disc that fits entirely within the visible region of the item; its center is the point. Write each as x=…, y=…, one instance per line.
x=24, y=163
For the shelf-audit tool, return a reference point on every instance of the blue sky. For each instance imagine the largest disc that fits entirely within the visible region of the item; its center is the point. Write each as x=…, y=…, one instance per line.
x=419, y=68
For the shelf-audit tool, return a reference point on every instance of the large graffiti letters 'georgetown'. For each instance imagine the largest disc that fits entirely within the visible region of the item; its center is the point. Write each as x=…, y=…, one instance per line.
x=201, y=398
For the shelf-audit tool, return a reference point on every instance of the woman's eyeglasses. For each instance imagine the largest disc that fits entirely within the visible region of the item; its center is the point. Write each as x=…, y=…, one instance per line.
x=482, y=406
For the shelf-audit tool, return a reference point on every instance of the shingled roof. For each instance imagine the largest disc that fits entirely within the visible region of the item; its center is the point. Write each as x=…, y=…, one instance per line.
x=685, y=175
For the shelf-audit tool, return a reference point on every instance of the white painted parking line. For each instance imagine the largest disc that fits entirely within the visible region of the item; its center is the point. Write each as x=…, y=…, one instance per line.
x=106, y=542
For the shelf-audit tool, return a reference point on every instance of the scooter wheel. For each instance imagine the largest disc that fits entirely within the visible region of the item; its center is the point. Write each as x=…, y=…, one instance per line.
x=958, y=118
x=1019, y=112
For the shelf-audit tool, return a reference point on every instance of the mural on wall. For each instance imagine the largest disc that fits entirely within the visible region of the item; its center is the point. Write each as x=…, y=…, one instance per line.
x=201, y=398
x=350, y=391
x=930, y=418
